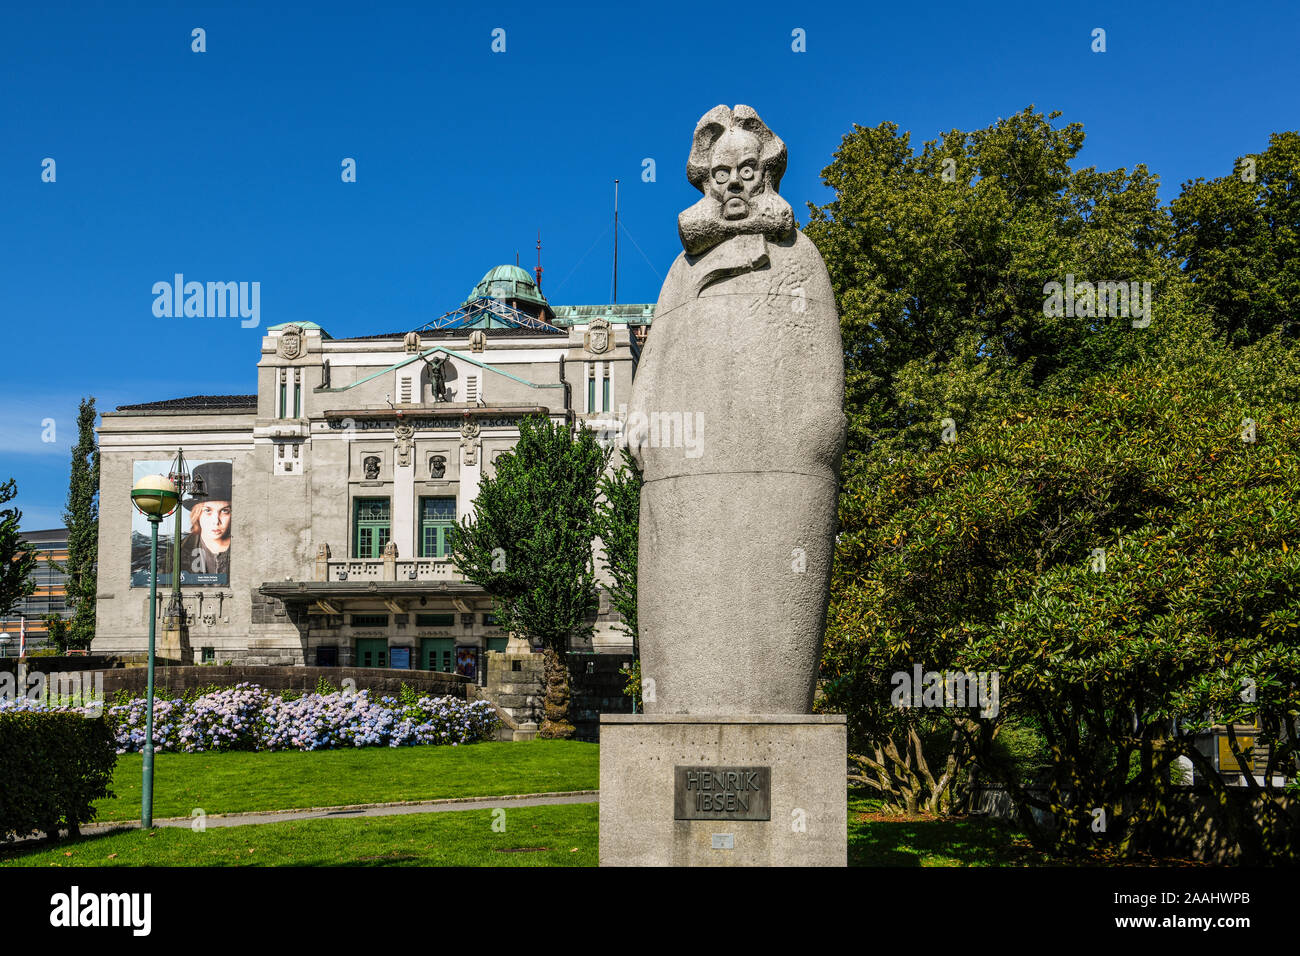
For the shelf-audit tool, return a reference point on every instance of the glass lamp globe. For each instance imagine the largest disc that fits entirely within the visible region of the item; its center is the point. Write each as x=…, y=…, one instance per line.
x=155, y=495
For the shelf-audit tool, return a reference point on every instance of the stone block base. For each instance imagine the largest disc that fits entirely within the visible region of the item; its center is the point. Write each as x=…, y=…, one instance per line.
x=806, y=755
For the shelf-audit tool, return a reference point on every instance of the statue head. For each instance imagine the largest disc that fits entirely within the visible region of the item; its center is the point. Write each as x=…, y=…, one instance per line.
x=737, y=162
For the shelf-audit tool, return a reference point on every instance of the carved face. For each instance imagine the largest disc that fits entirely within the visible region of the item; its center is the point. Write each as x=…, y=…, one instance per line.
x=734, y=174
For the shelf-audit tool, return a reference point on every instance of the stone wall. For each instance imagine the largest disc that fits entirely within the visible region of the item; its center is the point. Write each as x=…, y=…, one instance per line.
x=597, y=682
x=517, y=684
x=64, y=664
x=378, y=680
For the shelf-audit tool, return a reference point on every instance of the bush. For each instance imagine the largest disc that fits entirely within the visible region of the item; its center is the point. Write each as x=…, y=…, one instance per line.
x=247, y=717
x=56, y=764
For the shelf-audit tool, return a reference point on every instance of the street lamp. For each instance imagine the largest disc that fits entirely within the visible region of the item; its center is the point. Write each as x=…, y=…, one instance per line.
x=155, y=497
x=179, y=475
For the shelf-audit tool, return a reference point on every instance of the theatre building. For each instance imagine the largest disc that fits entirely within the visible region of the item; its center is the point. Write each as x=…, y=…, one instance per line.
x=316, y=527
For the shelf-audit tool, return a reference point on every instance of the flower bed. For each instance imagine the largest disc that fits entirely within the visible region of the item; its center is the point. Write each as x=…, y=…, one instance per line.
x=248, y=717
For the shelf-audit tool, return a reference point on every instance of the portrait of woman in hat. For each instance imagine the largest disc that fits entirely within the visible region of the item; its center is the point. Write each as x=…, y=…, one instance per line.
x=206, y=549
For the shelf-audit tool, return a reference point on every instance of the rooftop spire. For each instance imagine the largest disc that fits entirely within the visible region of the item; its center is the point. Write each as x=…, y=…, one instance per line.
x=538, y=270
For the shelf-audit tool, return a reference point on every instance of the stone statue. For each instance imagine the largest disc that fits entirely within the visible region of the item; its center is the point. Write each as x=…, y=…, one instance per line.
x=737, y=422
x=439, y=381
x=437, y=466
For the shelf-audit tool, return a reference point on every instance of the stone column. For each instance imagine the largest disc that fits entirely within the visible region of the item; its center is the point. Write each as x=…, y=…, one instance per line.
x=404, y=492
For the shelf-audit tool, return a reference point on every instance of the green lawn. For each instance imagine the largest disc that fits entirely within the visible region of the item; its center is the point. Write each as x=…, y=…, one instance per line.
x=874, y=841
x=236, y=782
x=562, y=835
x=566, y=836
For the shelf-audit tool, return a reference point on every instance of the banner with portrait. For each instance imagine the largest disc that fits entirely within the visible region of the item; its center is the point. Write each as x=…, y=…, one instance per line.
x=206, y=527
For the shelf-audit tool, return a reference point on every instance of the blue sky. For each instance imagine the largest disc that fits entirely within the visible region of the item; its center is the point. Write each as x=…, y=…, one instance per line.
x=225, y=165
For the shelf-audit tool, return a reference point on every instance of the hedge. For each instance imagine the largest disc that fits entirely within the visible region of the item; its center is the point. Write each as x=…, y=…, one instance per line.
x=54, y=766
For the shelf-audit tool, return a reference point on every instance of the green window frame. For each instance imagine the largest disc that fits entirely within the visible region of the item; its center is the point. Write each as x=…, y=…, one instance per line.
x=437, y=518
x=284, y=398
x=209, y=655
x=372, y=526
x=591, y=390
x=435, y=620
x=605, y=390
x=297, y=400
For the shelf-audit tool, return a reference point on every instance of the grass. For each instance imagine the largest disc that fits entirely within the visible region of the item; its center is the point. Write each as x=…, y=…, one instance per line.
x=879, y=839
x=238, y=782
x=563, y=835
x=545, y=836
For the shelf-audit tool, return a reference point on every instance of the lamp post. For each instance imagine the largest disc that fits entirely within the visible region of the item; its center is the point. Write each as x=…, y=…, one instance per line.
x=155, y=497
x=179, y=475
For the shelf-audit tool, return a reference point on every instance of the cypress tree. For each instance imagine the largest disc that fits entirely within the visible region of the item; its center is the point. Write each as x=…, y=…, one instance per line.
x=17, y=557
x=82, y=521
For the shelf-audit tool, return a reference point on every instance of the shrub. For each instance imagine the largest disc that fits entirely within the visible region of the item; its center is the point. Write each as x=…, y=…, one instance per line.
x=247, y=717
x=56, y=764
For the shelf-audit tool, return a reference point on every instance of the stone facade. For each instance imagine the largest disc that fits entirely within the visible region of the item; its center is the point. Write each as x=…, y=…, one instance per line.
x=346, y=467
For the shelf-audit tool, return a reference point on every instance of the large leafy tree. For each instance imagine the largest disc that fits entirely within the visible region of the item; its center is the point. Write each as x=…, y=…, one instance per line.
x=939, y=261
x=17, y=556
x=1124, y=556
x=82, y=521
x=528, y=544
x=618, y=522
x=618, y=518
x=1239, y=238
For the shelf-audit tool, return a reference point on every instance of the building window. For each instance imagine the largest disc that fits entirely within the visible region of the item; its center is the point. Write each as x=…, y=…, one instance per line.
x=283, y=375
x=437, y=517
x=490, y=620
x=605, y=388
x=369, y=620
x=435, y=620
x=209, y=655
x=372, y=524
x=591, y=388
x=372, y=652
x=297, y=393
x=327, y=655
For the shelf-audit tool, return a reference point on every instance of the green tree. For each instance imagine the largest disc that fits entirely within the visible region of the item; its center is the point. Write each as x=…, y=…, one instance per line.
x=528, y=544
x=618, y=518
x=1125, y=557
x=82, y=521
x=1239, y=239
x=17, y=556
x=57, y=631
x=939, y=262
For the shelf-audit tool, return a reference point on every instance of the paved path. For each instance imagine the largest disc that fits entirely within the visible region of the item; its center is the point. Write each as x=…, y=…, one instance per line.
x=362, y=810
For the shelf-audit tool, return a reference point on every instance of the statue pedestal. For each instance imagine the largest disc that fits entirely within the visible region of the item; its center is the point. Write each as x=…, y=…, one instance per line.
x=693, y=790
x=174, y=641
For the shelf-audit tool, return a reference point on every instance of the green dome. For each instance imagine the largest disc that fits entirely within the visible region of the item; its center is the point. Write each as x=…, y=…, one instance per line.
x=508, y=282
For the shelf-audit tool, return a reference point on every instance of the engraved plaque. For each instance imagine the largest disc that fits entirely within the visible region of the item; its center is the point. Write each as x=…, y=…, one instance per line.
x=724, y=841
x=722, y=793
